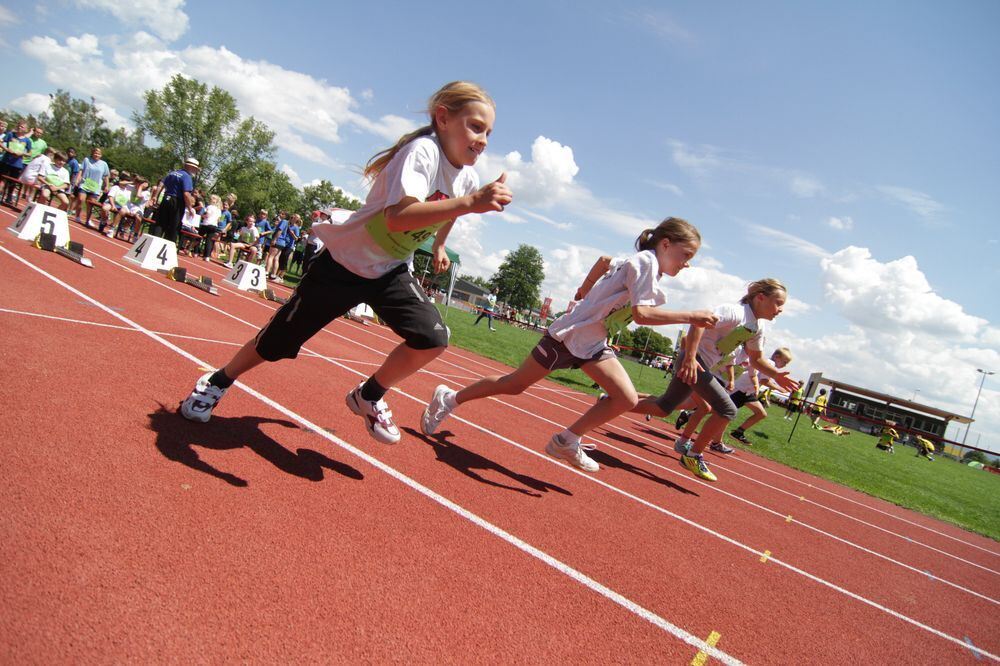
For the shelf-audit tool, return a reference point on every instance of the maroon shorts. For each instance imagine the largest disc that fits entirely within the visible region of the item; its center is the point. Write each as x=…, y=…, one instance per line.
x=553, y=355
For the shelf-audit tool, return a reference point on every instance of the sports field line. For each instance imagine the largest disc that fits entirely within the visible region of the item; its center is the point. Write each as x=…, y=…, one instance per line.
x=640, y=436
x=843, y=497
x=473, y=518
x=531, y=451
x=705, y=484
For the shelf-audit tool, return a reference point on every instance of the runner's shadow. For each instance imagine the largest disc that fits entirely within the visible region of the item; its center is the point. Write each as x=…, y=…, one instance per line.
x=625, y=439
x=607, y=460
x=176, y=439
x=467, y=462
x=658, y=433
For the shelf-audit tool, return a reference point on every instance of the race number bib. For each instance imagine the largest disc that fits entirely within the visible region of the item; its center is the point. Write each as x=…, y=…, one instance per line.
x=16, y=147
x=618, y=321
x=728, y=344
x=54, y=180
x=402, y=244
x=122, y=198
x=91, y=185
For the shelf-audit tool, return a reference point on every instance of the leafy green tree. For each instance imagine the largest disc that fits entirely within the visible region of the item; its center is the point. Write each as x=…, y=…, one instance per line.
x=189, y=119
x=978, y=456
x=259, y=185
x=327, y=195
x=519, y=278
x=478, y=281
x=71, y=122
x=646, y=338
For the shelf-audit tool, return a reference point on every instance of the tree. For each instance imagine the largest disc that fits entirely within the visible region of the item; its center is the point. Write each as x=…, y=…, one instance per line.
x=260, y=185
x=71, y=122
x=978, y=456
x=646, y=338
x=189, y=119
x=519, y=278
x=476, y=280
x=327, y=195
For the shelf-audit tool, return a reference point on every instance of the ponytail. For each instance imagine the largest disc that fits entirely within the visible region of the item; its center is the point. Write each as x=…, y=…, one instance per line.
x=767, y=286
x=674, y=229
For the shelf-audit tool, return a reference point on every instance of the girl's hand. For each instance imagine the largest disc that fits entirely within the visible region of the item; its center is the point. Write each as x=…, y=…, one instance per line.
x=492, y=197
x=441, y=262
x=688, y=372
x=785, y=382
x=730, y=387
x=704, y=318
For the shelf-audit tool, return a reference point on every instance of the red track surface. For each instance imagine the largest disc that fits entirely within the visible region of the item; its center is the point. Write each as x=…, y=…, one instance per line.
x=129, y=534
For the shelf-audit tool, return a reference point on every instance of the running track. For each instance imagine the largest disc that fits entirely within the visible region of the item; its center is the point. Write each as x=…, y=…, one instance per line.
x=280, y=531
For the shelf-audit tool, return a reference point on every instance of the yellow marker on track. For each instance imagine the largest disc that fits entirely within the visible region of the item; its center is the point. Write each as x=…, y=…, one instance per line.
x=702, y=657
x=788, y=519
x=766, y=555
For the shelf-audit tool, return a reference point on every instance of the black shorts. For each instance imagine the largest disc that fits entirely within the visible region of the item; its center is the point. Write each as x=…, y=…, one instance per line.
x=328, y=290
x=740, y=398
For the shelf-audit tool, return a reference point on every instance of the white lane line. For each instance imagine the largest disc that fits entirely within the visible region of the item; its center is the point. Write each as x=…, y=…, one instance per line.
x=496, y=531
x=615, y=489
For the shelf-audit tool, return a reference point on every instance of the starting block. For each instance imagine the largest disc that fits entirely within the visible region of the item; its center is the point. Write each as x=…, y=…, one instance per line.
x=247, y=277
x=179, y=274
x=268, y=294
x=37, y=219
x=72, y=250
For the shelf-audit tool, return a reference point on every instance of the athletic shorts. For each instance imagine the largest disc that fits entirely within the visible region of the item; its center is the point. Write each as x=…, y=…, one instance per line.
x=553, y=355
x=328, y=290
x=707, y=386
x=740, y=398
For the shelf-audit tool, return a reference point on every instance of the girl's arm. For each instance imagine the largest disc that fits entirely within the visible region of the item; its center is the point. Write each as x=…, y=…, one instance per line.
x=599, y=268
x=688, y=371
x=764, y=365
x=440, y=259
x=730, y=378
x=411, y=213
x=651, y=315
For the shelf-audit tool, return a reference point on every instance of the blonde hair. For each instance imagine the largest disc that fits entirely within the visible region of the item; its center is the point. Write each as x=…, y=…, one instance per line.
x=453, y=97
x=215, y=200
x=674, y=229
x=767, y=286
x=783, y=352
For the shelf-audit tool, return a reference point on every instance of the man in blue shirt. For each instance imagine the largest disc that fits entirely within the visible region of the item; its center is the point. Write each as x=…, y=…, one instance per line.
x=72, y=164
x=177, y=187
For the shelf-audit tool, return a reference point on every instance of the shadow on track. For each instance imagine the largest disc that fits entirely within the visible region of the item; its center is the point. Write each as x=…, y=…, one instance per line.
x=176, y=438
x=645, y=446
x=607, y=460
x=467, y=463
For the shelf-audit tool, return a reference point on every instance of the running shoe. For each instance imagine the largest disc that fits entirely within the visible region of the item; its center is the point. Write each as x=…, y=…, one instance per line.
x=697, y=466
x=740, y=436
x=437, y=410
x=378, y=418
x=682, y=445
x=719, y=447
x=572, y=453
x=204, y=397
x=682, y=418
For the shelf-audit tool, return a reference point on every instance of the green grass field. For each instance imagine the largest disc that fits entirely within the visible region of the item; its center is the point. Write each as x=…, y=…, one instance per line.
x=943, y=488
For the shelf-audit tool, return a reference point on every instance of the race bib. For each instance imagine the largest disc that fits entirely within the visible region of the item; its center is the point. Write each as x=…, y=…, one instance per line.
x=17, y=147
x=728, y=344
x=122, y=198
x=54, y=180
x=399, y=244
x=91, y=185
x=618, y=321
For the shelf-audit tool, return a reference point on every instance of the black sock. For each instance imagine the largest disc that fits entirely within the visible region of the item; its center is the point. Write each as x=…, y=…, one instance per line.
x=372, y=390
x=220, y=379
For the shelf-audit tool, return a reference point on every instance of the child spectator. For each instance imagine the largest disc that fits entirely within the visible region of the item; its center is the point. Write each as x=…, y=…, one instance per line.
x=31, y=175
x=55, y=182
x=16, y=145
x=246, y=240
x=209, y=227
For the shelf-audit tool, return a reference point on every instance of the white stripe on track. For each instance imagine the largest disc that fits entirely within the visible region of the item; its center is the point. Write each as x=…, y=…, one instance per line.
x=496, y=531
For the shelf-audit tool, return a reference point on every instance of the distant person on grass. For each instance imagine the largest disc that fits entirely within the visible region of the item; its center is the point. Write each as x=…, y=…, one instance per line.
x=422, y=185
x=626, y=290
x=819, y=407
x=794, y=402
x=887, y=438
x=487, y=311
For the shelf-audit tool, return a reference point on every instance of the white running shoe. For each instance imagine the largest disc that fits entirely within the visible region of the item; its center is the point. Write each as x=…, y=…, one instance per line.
x=378, y=418
x=437, y=410
x=204, y=397
x=572, y=453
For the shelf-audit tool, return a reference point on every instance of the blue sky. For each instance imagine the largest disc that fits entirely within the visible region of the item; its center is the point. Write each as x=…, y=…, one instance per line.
x=849, y=148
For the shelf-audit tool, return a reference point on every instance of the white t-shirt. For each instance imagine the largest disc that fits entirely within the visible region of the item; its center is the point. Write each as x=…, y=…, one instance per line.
x=737, y=326
x=212, y=215
x=39, y=165
x=124, y=193
x=60, y=173
x=190, y=220
x=420, y=170
x=627, y=283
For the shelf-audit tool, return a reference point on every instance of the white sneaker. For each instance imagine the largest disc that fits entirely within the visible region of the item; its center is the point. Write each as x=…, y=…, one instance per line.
x=204, y=397
x=572, y=453
x=437, y=410
x=378, y=418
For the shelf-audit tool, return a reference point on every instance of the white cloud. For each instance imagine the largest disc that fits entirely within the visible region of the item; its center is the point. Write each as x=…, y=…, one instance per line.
x=33, y=103
x=840, y=223
x=564, y=226
x=663, y=25
x=805, y=186
x=919, y=202
x=166, y=18
x=788, y=241
x=466, y=239
x=7, y=18
x=293, y=176
x=669, y=187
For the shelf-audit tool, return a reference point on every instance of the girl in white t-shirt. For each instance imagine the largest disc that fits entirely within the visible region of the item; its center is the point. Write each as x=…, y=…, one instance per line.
x=628, y=290
x=422, y=185
x=701, y=366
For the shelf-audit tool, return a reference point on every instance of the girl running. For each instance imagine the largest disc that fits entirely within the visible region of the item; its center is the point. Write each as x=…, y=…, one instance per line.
x=707, y=352
x=614, y=293
x=421, y=186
